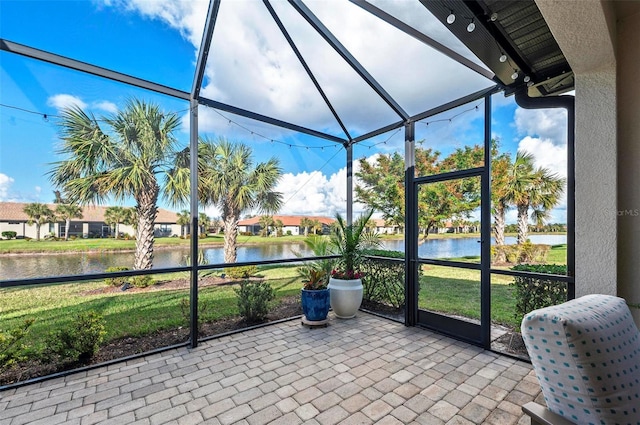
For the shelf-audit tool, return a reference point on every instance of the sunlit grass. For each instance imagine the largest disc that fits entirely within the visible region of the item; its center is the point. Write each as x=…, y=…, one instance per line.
x=444, y=289
x=456, y=291
x=110, y=244
x=125, y=313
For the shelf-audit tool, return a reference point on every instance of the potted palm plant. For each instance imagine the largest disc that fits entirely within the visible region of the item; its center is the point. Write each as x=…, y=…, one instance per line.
x=345, y=283
x=315, y=296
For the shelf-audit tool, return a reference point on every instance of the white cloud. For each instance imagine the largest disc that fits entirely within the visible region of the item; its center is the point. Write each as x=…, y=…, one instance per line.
x=554, y=158
x=186, y=16
x=550, y=124
x=63, y=101
x=252, y=66
x=105, y=105
x=5, y=185
x=545, y=136
x=313, y=193
x=547, y=154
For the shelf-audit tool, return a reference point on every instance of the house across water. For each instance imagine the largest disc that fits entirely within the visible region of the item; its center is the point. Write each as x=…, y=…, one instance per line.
x=287, y=224
x=91, y=225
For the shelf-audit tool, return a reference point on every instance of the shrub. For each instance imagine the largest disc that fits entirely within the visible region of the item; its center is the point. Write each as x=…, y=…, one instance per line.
x=141, y=281
x=383, y=281
x=523, y=253
x=254, y=299
x=11, y=346
x=242, y=272
x=79, y=342
x=116, y=281
x=9, y=234
x=185, y=309
x=289, y=233
x=533, y=292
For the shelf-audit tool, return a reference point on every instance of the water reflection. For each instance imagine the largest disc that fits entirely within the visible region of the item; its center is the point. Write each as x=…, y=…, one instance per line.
x=39, y=265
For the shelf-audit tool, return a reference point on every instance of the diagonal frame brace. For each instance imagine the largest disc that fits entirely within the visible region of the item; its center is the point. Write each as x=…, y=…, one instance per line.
x=324, y=32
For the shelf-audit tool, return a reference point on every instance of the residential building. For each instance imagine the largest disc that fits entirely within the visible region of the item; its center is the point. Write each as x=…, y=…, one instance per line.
x=291, y=223
x=92, y=224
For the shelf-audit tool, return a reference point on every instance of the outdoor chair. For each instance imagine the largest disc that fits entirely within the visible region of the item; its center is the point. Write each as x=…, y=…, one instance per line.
x=586, y=355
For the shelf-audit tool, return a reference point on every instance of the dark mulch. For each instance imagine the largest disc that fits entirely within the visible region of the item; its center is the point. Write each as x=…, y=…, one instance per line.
x=511, y=343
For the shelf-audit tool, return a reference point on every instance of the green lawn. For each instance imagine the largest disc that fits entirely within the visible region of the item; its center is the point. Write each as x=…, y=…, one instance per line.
x=125, y=313
x=109, y=244
x=445, y=289
x=457, y=291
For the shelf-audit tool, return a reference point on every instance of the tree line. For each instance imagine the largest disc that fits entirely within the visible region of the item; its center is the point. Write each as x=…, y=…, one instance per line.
x=135, y=156
x=516, y=183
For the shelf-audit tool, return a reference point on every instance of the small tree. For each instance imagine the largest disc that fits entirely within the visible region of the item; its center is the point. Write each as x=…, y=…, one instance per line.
x=38, y=214
x=279, y=225
x=305, y=224
x=184, y=218
x=266, y=221
x=316, y=226
x=204, y=222
x=216, y=223
x=113, y=216
x=66, y=212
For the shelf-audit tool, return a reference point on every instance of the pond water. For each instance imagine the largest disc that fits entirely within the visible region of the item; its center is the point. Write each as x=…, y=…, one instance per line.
x=38, y=265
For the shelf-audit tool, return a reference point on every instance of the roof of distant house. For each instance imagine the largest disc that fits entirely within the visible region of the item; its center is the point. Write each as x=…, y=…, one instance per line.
x=287, y=220
x=14, y=211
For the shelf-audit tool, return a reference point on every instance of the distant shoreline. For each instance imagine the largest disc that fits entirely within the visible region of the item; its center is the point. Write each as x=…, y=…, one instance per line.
x=204, y=243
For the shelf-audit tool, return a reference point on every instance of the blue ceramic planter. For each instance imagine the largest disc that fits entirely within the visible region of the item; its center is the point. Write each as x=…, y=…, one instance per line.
x=315, y=304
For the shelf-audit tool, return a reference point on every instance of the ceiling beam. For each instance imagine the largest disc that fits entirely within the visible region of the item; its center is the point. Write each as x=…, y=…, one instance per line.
x=295, y=49
x=205, y=45
x=273, y=121
x=407, y=29
x=21, y=49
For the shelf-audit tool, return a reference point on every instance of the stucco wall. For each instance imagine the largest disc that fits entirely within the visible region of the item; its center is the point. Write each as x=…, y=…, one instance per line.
x=628, y=55
x=583, y=32
x=596, y=183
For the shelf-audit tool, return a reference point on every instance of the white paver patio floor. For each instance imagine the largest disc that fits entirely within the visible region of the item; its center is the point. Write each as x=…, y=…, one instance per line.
x=361, y=371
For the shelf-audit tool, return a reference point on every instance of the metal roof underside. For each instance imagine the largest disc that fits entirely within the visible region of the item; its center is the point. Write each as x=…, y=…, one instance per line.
x=503, y=27
x=514, y=28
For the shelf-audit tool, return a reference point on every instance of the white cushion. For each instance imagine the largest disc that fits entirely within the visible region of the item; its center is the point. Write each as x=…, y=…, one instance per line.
x=586, y=355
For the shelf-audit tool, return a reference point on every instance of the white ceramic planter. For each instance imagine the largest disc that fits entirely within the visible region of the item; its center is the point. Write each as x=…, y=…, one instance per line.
x=345, y=297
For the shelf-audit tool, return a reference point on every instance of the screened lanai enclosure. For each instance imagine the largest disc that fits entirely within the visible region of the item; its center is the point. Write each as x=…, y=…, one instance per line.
x=420, y=110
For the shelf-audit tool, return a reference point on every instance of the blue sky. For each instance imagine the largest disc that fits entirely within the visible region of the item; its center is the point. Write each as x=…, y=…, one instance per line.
x=250, y=67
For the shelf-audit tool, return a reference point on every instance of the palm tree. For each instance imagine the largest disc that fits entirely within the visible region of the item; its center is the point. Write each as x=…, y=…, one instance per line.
x=128, y=161
x=306, y=223
x=113, y=216
x=66, y=212
x=265, y=222
x=544, y=192
x=279, y=225
x=316, y=226
x=521, y=184
x=349, y=240
x=204, y=222
x=184, y=218
x=500, y=200
x=229, y=181
x=38, y=214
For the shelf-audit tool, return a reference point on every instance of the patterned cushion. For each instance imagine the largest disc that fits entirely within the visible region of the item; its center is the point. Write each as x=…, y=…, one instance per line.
x=586, y=355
